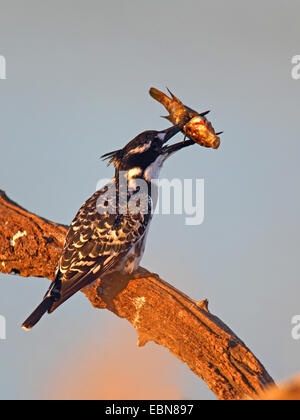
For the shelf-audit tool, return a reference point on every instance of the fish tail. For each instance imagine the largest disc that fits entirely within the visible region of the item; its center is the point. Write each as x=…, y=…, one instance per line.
x=160, y=97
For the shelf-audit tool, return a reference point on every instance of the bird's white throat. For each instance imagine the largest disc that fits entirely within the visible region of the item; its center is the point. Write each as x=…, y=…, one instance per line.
x=153, y=170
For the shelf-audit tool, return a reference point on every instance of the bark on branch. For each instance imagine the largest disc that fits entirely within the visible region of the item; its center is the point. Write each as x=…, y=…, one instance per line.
x=31, y=245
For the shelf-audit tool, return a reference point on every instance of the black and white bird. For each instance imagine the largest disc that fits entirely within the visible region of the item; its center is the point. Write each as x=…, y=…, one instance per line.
x=103, y=239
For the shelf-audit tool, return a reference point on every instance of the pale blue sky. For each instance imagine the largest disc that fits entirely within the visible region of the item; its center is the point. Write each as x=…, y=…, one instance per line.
x=78, y=74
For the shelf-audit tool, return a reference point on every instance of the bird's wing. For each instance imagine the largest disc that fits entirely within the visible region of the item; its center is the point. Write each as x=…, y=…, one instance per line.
x=96, y=242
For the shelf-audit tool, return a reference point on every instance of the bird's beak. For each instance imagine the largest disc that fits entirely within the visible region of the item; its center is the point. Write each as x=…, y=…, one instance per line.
x=166, y=135
x=169, y=150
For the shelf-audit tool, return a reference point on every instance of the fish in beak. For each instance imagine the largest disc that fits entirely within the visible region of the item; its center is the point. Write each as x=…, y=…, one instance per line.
x=193, y=124
x=166, y=135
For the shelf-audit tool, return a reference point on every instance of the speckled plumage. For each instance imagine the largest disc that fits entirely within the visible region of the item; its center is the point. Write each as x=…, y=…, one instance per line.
x=99, y=242
x=104, y=238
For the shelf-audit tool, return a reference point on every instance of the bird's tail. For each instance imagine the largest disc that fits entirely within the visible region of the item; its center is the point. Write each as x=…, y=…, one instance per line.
x=52, y=296
x=37, y=314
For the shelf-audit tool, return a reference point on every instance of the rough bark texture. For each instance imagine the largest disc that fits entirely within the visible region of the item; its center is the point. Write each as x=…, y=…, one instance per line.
x=30, y=246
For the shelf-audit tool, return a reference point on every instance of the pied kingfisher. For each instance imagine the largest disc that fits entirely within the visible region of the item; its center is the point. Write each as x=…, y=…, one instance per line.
x=102, y=239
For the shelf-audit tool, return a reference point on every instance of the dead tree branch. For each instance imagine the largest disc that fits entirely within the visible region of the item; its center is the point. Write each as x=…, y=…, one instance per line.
x=31, y=245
